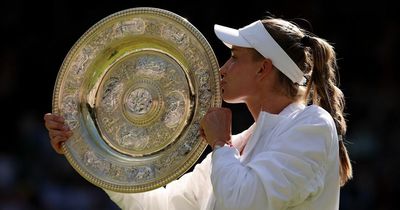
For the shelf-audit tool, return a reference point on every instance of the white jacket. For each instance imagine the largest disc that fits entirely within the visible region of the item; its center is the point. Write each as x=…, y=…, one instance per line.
x=291, y=161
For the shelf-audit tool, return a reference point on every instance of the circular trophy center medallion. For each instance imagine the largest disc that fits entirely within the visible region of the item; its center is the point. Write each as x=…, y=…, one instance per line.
x=139, y=101
x=143, y=102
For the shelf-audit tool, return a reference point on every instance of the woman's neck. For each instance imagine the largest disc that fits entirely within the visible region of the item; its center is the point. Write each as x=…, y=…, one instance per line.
x=272, y=104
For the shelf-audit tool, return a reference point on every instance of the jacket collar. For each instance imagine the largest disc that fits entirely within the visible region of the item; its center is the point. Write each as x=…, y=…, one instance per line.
x=291, y=110
x=266, y=122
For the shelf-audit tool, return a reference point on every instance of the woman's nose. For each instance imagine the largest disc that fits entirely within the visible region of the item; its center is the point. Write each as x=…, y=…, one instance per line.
x=223, y=68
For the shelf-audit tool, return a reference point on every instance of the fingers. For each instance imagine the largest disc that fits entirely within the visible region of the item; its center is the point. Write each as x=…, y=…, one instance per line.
x=216, y=125
x=55, y=122
x=57, y=142
x=53, y=125
x=202, y=134
x=59, y=132
x=53, y=117
x=217, y=114
x=55, y=133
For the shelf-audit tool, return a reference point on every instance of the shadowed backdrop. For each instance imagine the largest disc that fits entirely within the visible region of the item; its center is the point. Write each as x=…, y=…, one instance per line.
x=36, y=36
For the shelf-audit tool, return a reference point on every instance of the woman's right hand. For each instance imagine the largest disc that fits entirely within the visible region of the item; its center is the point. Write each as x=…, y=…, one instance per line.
x=59, y=132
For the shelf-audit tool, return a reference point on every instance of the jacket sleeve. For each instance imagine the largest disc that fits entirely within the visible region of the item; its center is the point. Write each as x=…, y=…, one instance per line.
x=184, y=193
x=291, y=168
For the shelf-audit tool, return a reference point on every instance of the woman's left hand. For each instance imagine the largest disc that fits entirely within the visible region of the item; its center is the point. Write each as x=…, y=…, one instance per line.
x=215, y=127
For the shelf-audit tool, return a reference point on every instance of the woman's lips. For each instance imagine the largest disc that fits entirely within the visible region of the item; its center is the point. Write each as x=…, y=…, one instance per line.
x=222, y=84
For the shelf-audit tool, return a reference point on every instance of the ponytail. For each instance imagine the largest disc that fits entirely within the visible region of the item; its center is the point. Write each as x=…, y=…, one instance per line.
x=317, y=57
x=325, y=93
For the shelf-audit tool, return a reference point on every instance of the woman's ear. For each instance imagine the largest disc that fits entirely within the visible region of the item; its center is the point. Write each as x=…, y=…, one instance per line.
x=265, y=68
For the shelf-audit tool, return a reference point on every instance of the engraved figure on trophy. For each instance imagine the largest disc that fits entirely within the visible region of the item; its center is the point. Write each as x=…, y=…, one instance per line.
x=139, y=101
x=111, y=93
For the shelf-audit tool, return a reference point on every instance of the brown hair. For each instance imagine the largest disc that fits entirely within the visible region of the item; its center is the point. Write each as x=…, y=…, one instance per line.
x=317, y=59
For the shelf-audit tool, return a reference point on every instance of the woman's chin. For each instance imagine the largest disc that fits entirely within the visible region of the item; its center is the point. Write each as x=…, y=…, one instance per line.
x=231, y=100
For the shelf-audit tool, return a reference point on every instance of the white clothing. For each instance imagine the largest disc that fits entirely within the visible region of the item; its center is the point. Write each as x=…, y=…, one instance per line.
x=291, y=161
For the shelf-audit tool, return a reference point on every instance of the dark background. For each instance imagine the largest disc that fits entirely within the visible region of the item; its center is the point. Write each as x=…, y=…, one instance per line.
x=36, y=36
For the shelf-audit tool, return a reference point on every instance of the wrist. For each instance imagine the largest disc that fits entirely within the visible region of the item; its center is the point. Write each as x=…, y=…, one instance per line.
x=218, y=144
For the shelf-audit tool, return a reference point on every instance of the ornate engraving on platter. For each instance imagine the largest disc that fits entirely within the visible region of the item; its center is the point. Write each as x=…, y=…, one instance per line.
x=133, y=90
x=111, y=94
x=151, y=66
x=82, y=61
x=152, y=27
x=95, y=162
x=172, y=33
x=70, y=108
x=175, y=109
x=134, y=26
x=132, y=138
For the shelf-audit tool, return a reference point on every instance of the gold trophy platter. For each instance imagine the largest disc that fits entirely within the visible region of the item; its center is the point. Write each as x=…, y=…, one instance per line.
x=133, y=90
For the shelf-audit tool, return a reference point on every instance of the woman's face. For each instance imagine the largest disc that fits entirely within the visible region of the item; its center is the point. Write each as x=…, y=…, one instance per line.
x=239, y=75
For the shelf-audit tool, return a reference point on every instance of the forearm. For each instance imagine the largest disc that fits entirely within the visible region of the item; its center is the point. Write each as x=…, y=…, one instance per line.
x=235, y=186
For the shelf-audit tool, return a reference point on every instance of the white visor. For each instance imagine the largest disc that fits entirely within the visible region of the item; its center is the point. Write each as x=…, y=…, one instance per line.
x=256, y=36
